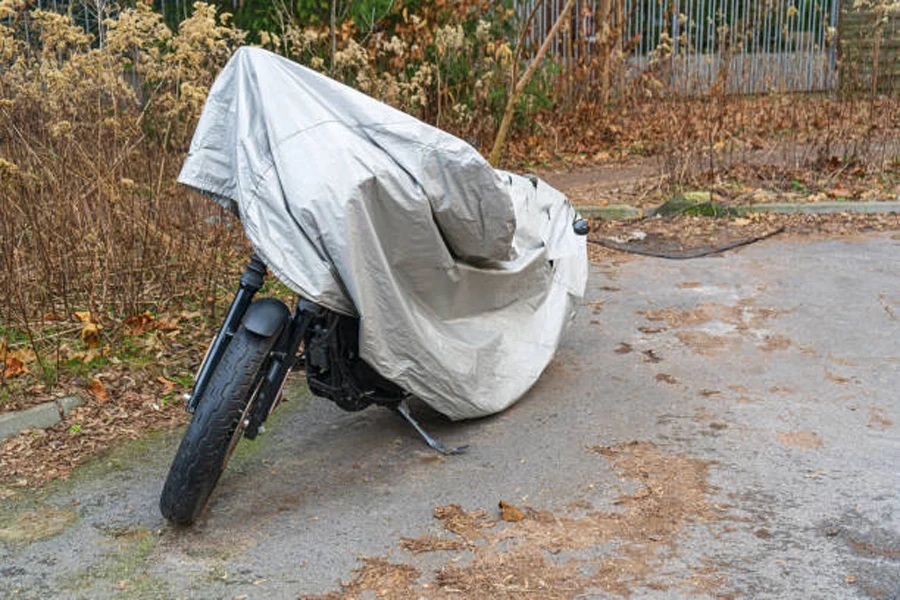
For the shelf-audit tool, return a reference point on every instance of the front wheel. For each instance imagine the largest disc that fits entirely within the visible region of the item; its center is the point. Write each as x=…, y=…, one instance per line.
x=216, y=428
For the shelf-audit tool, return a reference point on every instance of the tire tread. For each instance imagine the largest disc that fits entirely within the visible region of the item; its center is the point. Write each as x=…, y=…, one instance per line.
x=201, y=456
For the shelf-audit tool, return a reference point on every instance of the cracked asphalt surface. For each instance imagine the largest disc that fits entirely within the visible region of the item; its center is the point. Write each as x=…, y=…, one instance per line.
x=721, y=427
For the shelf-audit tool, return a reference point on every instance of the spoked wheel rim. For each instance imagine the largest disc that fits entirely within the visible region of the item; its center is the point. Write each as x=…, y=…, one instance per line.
x=242, y=422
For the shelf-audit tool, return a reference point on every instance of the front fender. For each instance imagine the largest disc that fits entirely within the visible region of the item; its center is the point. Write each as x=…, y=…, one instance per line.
x=266, y=317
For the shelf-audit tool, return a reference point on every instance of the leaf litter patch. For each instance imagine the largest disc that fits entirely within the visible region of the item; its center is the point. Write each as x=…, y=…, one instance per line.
x=560, y=556
x=36, y=456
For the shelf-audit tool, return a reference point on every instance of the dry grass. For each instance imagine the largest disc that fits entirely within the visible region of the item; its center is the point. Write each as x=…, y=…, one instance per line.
x=91, y=139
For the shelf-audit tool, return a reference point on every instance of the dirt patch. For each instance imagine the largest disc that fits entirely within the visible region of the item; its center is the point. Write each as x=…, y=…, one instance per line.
x=836, y=378
x=533, y=557
x=775, y=342
x=634, y=182
x=623, y=348
x=805, y=440
x=872, y=550
x=703, y=343
x=743, y=316
x=651, y=356
x=703, y=313
x=600, y=254
x=890, y=306
x=878, y=420
x=651, y=330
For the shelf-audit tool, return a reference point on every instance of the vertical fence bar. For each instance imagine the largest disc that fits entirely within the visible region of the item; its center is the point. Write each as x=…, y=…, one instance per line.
x=822, y=38
x=777, y=78
x=742, y=51
x=785, y=67
x=710, y=42
x=701, y=44
x=752, y=31
x=806, y=64
x=766, y=41
x=690, y=66
x=685, y=75
x=832, y=53
x=772, y=46
x=639, y=29
x=730, y=20
x=813, y=81
x=540, y=19
x=676, y=42
x=782, y=31
x=805, y=50
x=779, y=65
x=697, y=43
x=818, y=43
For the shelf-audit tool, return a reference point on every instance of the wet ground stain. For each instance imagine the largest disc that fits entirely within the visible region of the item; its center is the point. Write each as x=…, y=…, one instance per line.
x=36, y=525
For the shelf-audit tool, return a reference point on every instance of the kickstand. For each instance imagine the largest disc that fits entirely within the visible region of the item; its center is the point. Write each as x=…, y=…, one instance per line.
x=403, y=409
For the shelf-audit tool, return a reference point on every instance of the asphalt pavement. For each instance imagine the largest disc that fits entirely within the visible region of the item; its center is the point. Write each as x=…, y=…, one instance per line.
x=713, y=428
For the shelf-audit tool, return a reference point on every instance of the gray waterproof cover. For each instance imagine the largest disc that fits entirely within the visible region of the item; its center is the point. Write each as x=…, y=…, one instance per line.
x=464, y=277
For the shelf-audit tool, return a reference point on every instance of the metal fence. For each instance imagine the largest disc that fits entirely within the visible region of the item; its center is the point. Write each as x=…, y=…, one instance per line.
x=739, y=46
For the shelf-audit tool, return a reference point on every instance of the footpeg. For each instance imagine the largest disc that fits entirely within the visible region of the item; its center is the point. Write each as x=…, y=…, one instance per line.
x=403, y=409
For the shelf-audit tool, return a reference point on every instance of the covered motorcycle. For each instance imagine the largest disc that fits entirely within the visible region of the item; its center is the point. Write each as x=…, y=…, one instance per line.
x=463, y=277
x=420, y=270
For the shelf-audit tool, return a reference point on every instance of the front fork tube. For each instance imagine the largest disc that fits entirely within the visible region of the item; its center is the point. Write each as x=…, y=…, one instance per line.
x=283, y=358
x=251, y=281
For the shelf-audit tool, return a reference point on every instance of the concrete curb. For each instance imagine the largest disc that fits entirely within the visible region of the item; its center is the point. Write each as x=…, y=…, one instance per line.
x=822, y=208
x=623, y=211
x=41, y=416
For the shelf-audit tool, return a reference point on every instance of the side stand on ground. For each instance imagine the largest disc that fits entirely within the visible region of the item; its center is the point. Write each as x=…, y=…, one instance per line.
x=403, y=409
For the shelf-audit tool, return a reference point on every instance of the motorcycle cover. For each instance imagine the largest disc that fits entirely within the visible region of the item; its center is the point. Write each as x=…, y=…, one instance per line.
x=463, y=277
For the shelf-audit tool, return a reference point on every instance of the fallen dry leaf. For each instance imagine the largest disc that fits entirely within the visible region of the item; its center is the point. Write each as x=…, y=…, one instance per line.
x=83, y=315
x=98, y=390
x=139, y=324
x=168, y=323
x=510, y=512
x=90, y=335
x=14, y=367
x=168, y=386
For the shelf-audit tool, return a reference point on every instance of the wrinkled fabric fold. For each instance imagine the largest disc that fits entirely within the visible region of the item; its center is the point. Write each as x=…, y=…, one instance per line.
x=463, y=277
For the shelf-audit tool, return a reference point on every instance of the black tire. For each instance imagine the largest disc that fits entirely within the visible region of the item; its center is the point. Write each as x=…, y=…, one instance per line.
x=215, y=429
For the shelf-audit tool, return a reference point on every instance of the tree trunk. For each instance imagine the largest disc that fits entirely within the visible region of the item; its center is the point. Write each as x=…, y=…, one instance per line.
x=333, y=32
x=510, y=110
x=602, y=28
